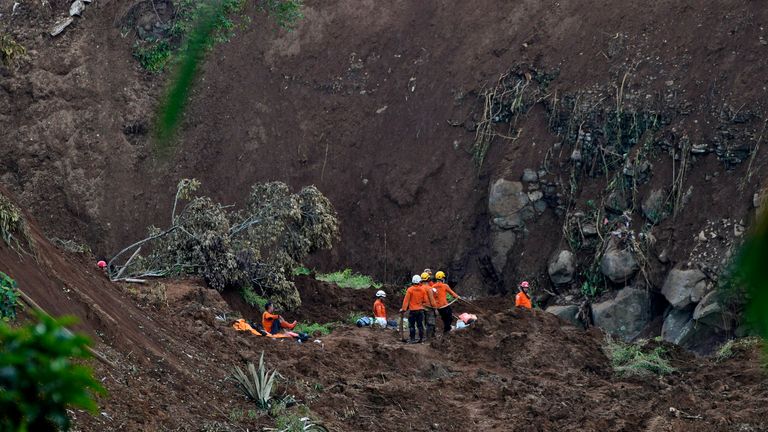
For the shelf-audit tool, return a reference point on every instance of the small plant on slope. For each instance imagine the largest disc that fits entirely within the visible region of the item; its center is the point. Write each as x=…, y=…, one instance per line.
x=13, y=228
x=257, y=384
x=348, y=279
x=9, y=298
x=313, y=329
x=631, y=360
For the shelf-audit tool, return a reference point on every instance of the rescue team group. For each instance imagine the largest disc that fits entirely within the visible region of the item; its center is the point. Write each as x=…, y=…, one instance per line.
x=424, y=299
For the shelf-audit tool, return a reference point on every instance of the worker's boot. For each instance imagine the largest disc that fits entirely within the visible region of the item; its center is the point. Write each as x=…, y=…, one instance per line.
x=414, y=341
x=291, y=325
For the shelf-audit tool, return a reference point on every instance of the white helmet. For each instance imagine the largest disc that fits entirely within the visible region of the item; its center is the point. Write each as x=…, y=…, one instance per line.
x=416, y=279
x=381, y=293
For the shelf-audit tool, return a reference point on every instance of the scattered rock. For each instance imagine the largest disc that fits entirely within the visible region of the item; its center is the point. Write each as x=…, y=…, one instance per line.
x=530, y=176
x=562, y=267
x=626, y=315
x=535, y=195
x=684, y=287
x=653, y=206
x=576, y=156
x=709, y=312
x=566, y=313
x=60, y=25
x=589, y=230
x=617, y=201
x=77, y=8
x=619, y=265
x=502, y=242
x=540, y=206
x=505, y=202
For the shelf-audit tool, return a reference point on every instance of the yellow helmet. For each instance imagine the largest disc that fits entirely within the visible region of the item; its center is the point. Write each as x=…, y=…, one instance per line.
x=440, y=275
x=424, y=277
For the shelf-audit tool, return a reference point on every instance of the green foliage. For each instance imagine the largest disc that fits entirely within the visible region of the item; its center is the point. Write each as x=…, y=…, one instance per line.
x=286, y=13
x=13, y=228
x=152, y=55
x=751, y=271
x=9, y=298
x=594, y=283
x=39, y=377
x=353, y=317
x=730, y=348
x=10, y=50
x=313, y=329
x=253, y=299
x=348, y=279
x=259, y=384
x=297, y=420
x=258, y=246
x=631, y=359
x=302, y=271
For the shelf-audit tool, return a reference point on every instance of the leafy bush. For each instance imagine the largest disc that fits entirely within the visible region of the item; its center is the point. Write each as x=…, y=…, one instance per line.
x=730, y=348
x=313, y=329
x=253, y=299
x=285, y=12
x=13, y=228
x=348, y=279
x=630, y=359
x=152, y=55
x=257, y=247
x=9, y=298
x=10, y=50
x=39, y=378
x=258, y=384
x=354, y=316
x=302, y=271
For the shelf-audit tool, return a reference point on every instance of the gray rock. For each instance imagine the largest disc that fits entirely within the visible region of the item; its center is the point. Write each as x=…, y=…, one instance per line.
x=77, y=8
x=562, y=267
x=505, y=202
x=626, y=315
x=540, y=206
x=502, y=242
x=677, y=327
x=653, y=206
x=709, y=312
x=530, y=176
x=617, y=201
x=566, y=313
x=618, y=265
x=535, y=195
x=589, y=230
x=60, y=26
x=684, y=287
x=576, y=156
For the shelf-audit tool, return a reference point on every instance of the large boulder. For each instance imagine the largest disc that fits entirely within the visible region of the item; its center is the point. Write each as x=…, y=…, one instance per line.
x=678, y=326
x=709, y=312
x=502, y=242
x=562, y=267
x=566, y=313
x=684, y=287
x=653, y=206
x=506, y=202
x=626, y=315
x=617, y=264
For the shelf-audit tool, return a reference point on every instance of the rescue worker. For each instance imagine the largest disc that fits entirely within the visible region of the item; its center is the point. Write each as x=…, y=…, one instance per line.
x=273, y=322
x=416, y=296
x=429, y=273
x=429, y=311
x=379, y=310
x=441, y=291
x=522, y=299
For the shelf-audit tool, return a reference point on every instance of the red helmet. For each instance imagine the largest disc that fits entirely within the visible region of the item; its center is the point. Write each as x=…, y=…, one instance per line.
x=102, y=264
x=524, y=284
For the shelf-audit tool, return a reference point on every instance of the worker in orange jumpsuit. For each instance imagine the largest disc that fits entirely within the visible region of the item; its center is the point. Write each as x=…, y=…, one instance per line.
x=522, y=299
x=379, y=309
x=273, y=322
x=430, y=315
x=416, y=297
x=441, y=290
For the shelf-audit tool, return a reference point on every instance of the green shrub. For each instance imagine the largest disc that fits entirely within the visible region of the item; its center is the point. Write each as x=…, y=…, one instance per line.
x=630, y=359
x=9, y=298
x=153, y=56
x=354, y=316
x=10, y=50
x=313, y=328
x=258, y=384
x=302, y=271
x=39, y=378
x=13, y=228
x=733, y=346
x=285, y=12
x=253, y=299
x=348, y=279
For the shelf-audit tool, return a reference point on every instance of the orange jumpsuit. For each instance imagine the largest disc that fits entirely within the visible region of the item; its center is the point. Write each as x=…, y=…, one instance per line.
x=522, y=300
x=441, y=291
x=415, y=298
x=379, y=310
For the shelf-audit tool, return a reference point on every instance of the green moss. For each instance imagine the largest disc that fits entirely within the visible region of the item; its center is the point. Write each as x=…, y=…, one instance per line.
x=313, y=328
x=632, y=360
x=348, y=279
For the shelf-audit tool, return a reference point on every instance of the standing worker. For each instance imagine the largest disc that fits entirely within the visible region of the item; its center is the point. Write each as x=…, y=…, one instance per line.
x=429, y=311
x=522, y=299
x=441, y=291
x=428, y=272
x=414, y=301
x=379, y=310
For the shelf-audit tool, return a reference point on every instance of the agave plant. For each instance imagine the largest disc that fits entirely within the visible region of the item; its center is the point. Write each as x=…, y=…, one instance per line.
x=257, y=384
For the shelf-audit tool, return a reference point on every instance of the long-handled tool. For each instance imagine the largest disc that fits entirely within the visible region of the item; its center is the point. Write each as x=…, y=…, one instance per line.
x=402, y=316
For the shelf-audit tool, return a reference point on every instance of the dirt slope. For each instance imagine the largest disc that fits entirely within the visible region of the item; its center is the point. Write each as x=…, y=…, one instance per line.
x=357, y=100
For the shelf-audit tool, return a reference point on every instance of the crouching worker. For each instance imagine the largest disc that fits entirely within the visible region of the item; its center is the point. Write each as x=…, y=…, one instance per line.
x=272, y=322
x=522, y=299
x=414, y=301
x=379, y=310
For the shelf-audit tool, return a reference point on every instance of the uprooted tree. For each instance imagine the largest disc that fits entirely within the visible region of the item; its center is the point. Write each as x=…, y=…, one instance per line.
x=256, y=247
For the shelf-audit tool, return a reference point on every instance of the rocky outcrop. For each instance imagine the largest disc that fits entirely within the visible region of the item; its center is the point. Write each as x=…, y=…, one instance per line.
x=711, y=313
x=566, y=313
x=653, y=206
x=624, y=316
x=618, y=264
x=506, y=203
x=502, y=242
x=684, y=287
x=677, y=327
x=562, y=267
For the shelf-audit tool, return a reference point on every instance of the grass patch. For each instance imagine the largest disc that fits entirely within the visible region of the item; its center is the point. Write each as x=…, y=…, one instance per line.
x=632, y=360
x=153, y=55
x=733, y=346
x=354, y=316
x=13, y=228
x=253, y=299
x=10, y=50
x=348, y=279
x=9, y=298
x=302, y=271
x=313, y=329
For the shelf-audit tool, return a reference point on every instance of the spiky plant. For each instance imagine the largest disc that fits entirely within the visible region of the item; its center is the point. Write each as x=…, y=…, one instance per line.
x=257, y=384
